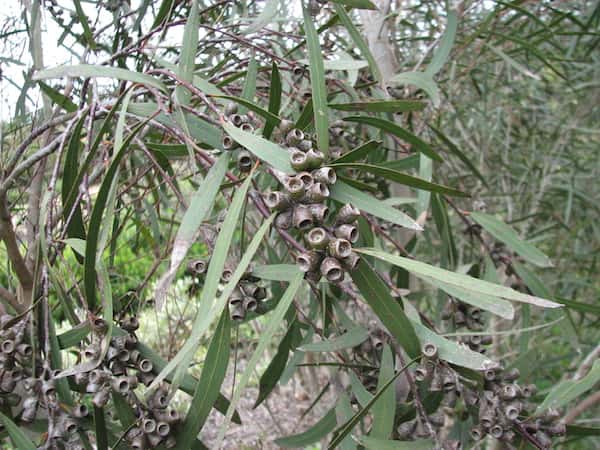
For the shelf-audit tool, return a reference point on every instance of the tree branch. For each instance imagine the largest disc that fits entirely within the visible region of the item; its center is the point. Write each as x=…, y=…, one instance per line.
x=586, y=404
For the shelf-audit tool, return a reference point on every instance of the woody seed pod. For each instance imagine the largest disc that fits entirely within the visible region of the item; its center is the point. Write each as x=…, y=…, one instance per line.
x=560, y=429
x=146, y=377
x=121, y=384
x=247, y=127
x=145, y=365
x=48, y=387
x=69, y=425
x=244, y=161
x=8, y=346
x=543, y=439
x=316, y=193
x=298, y=71
x=325, y=175
x=237, y=312
x=170, y=442
x=285, y=125
x=197, y=266
x=487, y=420
x=332, y=270
x=512, y=410
x=305, y=145
x=283, y=220
x=302, y=217
x=294, y=137
x=308, y=261
x=496, y=431
x=148, y=426
x=169, y=416
x=30, y=406
x=339, y=248
x=238, y=119
x=226, y=275
x=306, y=178
x=430, y=351
x=153, y=440
x=319, y=212
x=511, y=375
x=250, y=304
x=351, y=262
x=550, y=415
x=134, y=356
x=347, y=214
x=12, y=399
x=163, y=429
x=236, y=297
x=132, y=323
x=508, y=392
x=101, y=397
x=80, y=411
x=138, y=443
x=347, y=231
x=124, y=355
x=249, y=289
x=260, y=294
x=228, y=143
x=436, y=381
x=99, y=325
x=477, y=433
x=295, y=187
x=421, y=373
x=317, y=238
x=298, y=160
x=277, y=200
x=315, y=158
x=231, y=108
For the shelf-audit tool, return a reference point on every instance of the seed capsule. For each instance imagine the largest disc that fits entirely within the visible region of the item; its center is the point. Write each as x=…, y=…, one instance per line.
x=421, y=373
x=244, y=161
x=99, y=325
x=496, y=431
x=148, y=426
x=247, y=127
x=121, y=384
x=231, y=108
x=170, y=442
x=309, y=261
x=430, y=351
x=226, y=275
x=163, y=429
x=511, y=375
x=70, y=425
x=299, y=160
x=305, y=145
x=477, y=433
x=347, y=214
x=48, y=387
x=332, y=270
x=250, y=304
x=560, y=429
x=302, y=217
x=30, y=407
x=101, y=397
x=237, y=312
x=436, y=381
x=315, y=158
x=283, y=220
x=294, y=136
x=228, y=143
x=351, y=262
x=512, y=410
x=138, y=443
x=237, y=296
x=306, y=178
x=238, y=119
x=325, y=175
x=145, y=365
x=260, y=294
x=278, y=201
x=295, y=187
x=347, y=231
x=132, y=323
x=319, y=212
x=285, y=125
x=317, y=238
x=8, y=346
x=153, y=440
x=340, y=248
x=316, y=193
x=80, y=411
x=508, y=392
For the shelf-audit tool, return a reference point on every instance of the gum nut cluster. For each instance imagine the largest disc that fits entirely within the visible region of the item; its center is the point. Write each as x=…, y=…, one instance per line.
x=246, y=122
x=32, y=388
x=121, y=371
x=247, y=295
x=467, y=317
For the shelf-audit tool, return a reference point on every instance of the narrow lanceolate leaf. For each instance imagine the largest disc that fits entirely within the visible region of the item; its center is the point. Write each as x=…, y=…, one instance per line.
x=249, y=89
x=489, y=303
x=276, y=272
x=341, y=64
x=345, y=429
x=569, y=390
x=58, y=98
x=421, y=80
x=344, y=193
x=358, y=40
x=317, y=81
x=344, y=412
x=314, y=434
x=402, y=178
x=475, y=285
x=390, y=106
x=200, y=206
x=442, y=52
x=269, y=152
x=360, y=4
x=390, y=127
x=358, y=153
x=384, y=409
x=360, y=392
x=509, y=236
x=265, y=340
x=274, y=99
x=351, y=338
x=390, y=312
x=18, y=437
x=207, y=390
x=189, y=45
x=83, y=21
x=93, y=71
x=372, y=443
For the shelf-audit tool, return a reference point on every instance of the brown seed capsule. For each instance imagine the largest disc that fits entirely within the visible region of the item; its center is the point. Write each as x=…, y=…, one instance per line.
x=48, y=387
x=69, y=425
x=237, y=312
x=278, y=201
x=298, y=71
x=101, y=397
x=294, y=136
x=309, y=261
x=421, y=373
x=550, y=415
x=226, y=275
x=238, y=119
x=244, y=161
x=302, y=217
x=285, y=125
x=99, y=325
x=319, y=212
x=154, y=440
x=430, y=351
x=132, y=323
x=247, y=127
x=508, y=392
x=315, y=158
x=486, y=340
x=298, y=160
x=249, y=289
x=339, y=248
x=148, y=426
x=131, y=342
x=283, y=220
x=436, y=381
x=347, y=214
x=260, y=294
x=30, y=407
x=228, y=143
x=306, y=178
x=169, y=416
x=325, y=175
x=170, y=442
x=496, y=431
x=120, y=384
x=295, y=187
x=332, y=270
x=347, y=231
x=487, y=420
x=231, y=108
x=477, y=433
x=8, y=346
x=163, y=429
x=511, y=375
x=145, y=366
x=237, y=296
x=512, y=410
x=560, y=429
x=316, y=193
x=304, y=145
x=138, y=443
x=543, y=439
x=250, y=304
x=80, y=411
x=351, y=262
x=317, y=238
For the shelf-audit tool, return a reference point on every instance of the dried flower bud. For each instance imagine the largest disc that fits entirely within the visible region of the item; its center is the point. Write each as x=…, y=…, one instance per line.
x=278, y=201
x=302, y=217
x=347, y=214
x=339, y=248
x=332, y=270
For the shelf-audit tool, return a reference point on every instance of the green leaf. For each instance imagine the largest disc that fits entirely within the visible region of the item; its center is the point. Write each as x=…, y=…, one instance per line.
x=358, y=40
x=189, y=45
x=360, y=392
x=207, y=390
x=94, y=71
x=274, y=98
x=568, y=390
x=271, y=119
x=341, y=64
x=17, y=436
x=508, y=235
x=574, y=430
x=390, y=312
x=344, y=193
x=345, y=429
x=265, y=17
x=275, y=272
x=164, y=12
x=199, y=208
x=384, y=409
x=269, y=152
x=314, y=434
x=451, y=146
x=265, y=340
x=249, y=89
x=351, y=338
x=58, y=98
x=441, y=54
x=358, y=153
x=83, y=21
x=360, y=4
x=101, y=432
x=475, y=285
x=371, y=443
x=317, y=81
x=344, y=412
x=390, y=127
x=402, y=178
x=421, y=80
x=387, y=106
